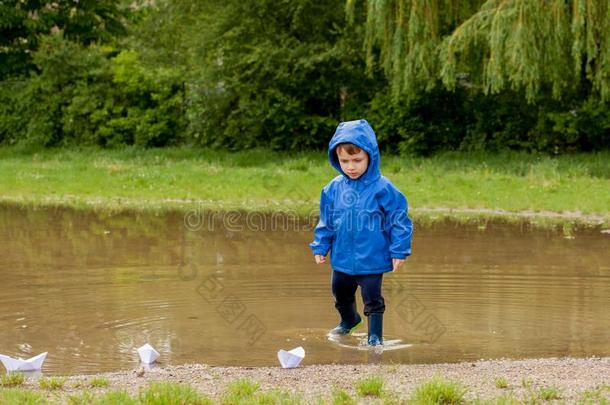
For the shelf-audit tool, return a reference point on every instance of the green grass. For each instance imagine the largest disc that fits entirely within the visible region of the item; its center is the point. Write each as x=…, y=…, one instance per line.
x=438, y=391
x=51, y=383
x=159, y=393
x=261, y=180
x=527, y=382
x=119, y=397
x=501, y=382
x=548, y=393
x=156, y=394
x=83, y=398
x=12, y=379
x=598, y=395
x=342, y=397
x=274, y=397
x=372, y=385
x=17, y=396
x=239, y=390
x=98, y=382
x=246, y=392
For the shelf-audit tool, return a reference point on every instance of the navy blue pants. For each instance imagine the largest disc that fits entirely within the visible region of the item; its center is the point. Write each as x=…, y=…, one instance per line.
x=344, y=290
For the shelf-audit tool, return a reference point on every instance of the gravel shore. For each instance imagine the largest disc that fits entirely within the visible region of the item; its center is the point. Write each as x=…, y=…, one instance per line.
x=571, y=377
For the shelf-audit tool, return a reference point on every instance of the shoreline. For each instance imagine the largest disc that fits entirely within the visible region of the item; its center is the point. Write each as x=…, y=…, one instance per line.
x=543, y=219
x=544, y=191
x=573, y=379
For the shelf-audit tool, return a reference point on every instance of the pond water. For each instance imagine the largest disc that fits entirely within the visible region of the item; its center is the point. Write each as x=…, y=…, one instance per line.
x=91, y=287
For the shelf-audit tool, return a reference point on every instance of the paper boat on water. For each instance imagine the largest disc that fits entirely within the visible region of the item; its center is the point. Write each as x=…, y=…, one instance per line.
x=148, y=354
x=292, y=358
x=19, y=364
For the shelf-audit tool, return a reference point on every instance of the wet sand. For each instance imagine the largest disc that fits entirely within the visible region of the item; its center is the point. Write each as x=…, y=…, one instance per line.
x=571, y=376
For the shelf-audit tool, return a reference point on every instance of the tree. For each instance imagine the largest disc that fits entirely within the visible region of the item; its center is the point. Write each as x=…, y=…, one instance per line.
x=268, y=73
x=22, y=22
x=533, y=46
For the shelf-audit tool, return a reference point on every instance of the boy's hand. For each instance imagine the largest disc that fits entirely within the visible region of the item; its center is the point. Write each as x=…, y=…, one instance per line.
x=320, y=259
x=396, y=264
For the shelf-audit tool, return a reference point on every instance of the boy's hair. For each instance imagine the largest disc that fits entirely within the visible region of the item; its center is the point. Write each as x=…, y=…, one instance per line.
x=350, y=148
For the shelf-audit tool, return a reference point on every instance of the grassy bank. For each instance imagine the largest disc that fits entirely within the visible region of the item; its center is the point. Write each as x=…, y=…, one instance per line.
x=243, y=391
x=247, y=392
x=484, y=382
x=572, y=188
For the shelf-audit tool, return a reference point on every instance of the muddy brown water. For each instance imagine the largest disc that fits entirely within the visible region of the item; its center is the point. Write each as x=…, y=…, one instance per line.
x=91, y=287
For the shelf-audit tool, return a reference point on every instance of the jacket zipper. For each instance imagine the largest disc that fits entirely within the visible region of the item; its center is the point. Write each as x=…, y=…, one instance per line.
x=352, y=231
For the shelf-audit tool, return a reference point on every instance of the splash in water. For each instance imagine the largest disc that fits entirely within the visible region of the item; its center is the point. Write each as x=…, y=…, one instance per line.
x=358, y=341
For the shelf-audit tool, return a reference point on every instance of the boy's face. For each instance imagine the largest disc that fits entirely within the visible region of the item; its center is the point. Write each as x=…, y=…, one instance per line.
x=353, y=165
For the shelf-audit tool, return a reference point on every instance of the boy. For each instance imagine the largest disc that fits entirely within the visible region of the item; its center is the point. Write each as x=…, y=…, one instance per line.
x=364, y=224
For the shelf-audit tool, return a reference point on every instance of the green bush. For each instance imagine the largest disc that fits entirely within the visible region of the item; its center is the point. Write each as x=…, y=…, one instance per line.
x=582, y=127
x=90, y=95
x=285, y=80
x=238, y=75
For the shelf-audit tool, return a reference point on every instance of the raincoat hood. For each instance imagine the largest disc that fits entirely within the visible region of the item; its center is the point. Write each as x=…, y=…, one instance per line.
x=361, y=134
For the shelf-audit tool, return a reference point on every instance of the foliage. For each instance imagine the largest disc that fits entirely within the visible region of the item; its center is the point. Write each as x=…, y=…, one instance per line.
x=275, y=74
x=24, y=22
x=486, y=58
x=494, y=45
x=91, y=96
x=430, y=76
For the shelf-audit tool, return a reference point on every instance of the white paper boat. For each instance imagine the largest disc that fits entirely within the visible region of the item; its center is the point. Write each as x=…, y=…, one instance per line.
x=19, y=364
x=148, y=354
x=292, y=358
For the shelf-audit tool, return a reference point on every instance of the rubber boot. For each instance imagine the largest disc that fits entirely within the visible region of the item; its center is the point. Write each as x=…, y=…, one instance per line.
x=349, y=321
x=375, y=329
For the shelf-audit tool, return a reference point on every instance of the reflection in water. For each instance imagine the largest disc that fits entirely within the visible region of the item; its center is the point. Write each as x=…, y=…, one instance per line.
x=90, y=288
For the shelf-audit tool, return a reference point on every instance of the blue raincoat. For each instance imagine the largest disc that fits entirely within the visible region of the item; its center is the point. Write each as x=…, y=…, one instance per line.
x=363, y=222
